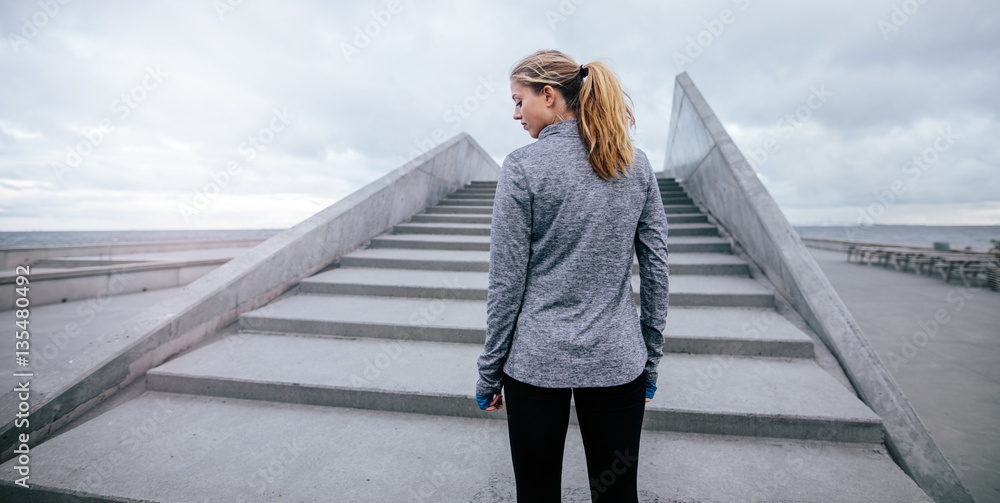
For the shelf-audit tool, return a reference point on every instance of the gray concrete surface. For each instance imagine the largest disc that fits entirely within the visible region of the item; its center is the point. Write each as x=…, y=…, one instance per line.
x=757, y=398
x=308, y=453
x=459, y=282
x=246, y=282
x=679, y=244
x=13, y=256
x=680, y=262
x=58, y=280
x=60, y=331
x=783, y=398
x=952, y=378
x=702, y=155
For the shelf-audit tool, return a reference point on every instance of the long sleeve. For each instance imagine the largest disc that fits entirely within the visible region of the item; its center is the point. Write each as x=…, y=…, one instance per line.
x=654, y=272
x=510, y=248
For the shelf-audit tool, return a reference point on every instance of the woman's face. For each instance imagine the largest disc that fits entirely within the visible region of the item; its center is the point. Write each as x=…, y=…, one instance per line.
x=531, y=109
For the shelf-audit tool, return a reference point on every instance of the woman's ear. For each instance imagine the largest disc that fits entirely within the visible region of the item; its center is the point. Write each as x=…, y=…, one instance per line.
x=549, y=93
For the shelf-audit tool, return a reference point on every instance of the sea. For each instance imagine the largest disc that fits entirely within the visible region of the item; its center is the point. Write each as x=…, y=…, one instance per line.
x=957, y=236
x=63, y=238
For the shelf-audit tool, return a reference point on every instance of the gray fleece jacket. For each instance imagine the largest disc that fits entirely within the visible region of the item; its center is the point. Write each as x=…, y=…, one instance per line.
x=560, y=306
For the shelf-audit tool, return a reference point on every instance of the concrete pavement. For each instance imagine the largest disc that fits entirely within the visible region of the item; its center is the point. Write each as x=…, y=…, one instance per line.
x=941, y=343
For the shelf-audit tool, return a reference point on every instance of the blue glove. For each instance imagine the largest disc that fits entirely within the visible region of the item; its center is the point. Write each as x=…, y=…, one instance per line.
x=650, y=389
x=484, y=401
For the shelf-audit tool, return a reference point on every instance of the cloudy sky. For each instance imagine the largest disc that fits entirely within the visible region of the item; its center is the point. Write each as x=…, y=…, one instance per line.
x=125, y=115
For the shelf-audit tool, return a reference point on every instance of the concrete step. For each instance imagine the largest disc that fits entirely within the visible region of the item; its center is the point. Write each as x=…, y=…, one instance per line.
x=461, y=193
x=782, y=398
x=734, y=331
x=460, y=209
x=454, y=218
x=468, y=260
x=685, y=218
x=698, y=330
x=469, y=188
x=455, y=201
x=143, y=449
x=486, y=206
x=685, y=290
x=676, y=244
x=433, y=242
x=672, y=196
x=473, y=195
x=484, y=229
x=466, y=218
x=441, y=228
x=680, y=208
x=677, y=200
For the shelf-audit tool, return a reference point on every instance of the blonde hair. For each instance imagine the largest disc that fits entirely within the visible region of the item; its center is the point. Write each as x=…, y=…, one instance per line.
x=593, y=92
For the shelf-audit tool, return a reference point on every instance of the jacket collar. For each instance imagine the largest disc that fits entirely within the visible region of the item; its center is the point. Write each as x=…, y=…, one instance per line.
x=561, y=128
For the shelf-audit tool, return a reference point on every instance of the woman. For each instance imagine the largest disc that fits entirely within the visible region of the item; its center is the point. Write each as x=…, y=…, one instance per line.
x=571, y=210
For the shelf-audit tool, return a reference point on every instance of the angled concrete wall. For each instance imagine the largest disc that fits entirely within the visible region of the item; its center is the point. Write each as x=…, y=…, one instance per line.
x=716, y=175
x=245, y=283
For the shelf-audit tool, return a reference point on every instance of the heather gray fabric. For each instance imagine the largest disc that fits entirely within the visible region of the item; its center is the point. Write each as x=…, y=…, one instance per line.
x=560, y=305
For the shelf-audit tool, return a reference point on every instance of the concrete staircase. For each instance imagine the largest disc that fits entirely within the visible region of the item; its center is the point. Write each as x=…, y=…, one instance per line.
x=358, y=385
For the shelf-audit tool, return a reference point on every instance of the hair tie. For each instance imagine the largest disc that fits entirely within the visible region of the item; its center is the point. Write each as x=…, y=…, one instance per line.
x=583, y=72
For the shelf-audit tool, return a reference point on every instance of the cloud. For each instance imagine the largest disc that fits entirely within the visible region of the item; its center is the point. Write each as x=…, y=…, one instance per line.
x=369, y=83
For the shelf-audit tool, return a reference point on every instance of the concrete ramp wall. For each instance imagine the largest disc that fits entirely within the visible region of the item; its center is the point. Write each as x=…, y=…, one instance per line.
x=715, y=173
x=245, y=283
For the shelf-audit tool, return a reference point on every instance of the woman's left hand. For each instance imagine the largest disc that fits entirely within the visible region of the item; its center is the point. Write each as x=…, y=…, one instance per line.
x=495, y=404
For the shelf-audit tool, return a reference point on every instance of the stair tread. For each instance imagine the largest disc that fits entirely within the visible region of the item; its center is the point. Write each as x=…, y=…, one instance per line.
x=481, y=239
x=466, y=255
x=740, y=386
x=679, y=284
x=487, y=226
x=437, y=238
x=444, y=214
x=368, y=455
x=486, y=209
x=687, y=322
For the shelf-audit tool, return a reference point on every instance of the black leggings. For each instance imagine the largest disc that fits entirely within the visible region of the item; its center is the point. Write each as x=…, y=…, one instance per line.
x=610, y=424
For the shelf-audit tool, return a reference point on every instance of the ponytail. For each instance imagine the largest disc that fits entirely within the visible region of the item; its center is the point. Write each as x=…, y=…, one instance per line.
x=593, y=92
x=604, y=120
